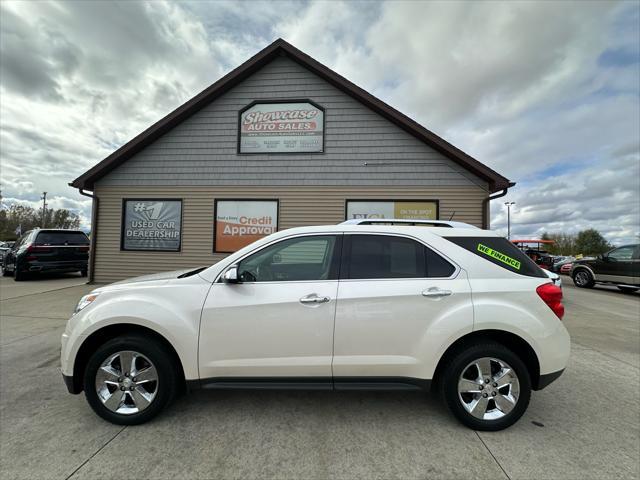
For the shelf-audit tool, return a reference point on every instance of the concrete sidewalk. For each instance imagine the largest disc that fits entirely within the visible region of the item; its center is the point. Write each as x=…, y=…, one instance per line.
x=586, y=425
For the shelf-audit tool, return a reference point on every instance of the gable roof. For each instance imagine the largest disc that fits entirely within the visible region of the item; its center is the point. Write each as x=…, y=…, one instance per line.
x=280, y=47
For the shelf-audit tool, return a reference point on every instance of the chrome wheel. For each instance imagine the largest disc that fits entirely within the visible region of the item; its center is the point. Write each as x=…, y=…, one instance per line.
x=126, y=382
x=488, y=388
x=582, y=278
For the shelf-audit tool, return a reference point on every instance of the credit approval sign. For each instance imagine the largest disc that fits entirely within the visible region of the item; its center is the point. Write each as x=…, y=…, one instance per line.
x=281, y=128
x=241, y=222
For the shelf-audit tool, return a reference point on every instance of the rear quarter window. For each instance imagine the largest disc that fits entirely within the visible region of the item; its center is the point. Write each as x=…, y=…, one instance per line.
x=501, y=252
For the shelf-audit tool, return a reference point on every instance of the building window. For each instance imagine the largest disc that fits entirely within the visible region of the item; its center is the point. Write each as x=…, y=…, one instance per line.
x=401, y=209
x=241, y=222
x=151, y=225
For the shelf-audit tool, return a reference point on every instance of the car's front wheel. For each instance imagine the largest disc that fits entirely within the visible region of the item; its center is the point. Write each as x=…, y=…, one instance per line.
x=487, y=387
x=130, y=379
x=583, y=279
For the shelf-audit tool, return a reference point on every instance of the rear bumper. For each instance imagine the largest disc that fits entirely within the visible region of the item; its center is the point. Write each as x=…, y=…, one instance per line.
x=548, y=378
x=73, y=266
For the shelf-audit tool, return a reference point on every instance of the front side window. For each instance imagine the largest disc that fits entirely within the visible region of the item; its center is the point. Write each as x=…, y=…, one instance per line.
x=386, y=256
x=295, y=259
x=622, y=254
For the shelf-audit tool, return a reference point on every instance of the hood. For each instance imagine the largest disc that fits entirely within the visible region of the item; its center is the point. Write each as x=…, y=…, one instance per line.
x=154, y=277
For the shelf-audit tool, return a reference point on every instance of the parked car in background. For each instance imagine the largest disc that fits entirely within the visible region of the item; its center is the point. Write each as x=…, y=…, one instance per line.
x=620, y=267
x=336, y=307
x=4, y=248
x=559, y=262
x=565, y=269
x=47, y=250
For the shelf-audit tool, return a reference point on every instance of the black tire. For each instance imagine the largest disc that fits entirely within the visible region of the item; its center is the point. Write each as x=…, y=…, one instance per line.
x=454, y=370
x=18, y=276
x=6, y=273
x=84, y=273
x=161, y=358
x=582, y=278
x=628, y=289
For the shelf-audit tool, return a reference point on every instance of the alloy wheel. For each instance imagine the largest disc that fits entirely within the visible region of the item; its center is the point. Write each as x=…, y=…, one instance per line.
x=126, y=382
x=488, y=388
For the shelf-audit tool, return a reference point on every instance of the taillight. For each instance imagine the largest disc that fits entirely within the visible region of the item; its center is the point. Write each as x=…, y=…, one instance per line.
x=36, y=249
x=552, y=296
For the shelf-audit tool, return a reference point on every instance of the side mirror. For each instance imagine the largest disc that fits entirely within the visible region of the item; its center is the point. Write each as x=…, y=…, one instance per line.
x=231, y=275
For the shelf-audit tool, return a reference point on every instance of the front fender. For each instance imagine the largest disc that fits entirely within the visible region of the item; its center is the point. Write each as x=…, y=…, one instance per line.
x=171, y=310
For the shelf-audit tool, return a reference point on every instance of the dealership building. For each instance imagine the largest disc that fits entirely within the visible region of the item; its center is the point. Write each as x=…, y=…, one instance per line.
x=281, y=141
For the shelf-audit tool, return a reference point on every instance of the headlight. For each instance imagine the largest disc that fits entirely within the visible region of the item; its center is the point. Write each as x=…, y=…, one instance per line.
x=85, y=302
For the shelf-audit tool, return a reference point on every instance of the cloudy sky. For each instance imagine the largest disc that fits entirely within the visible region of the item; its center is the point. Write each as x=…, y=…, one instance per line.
x=546, y=93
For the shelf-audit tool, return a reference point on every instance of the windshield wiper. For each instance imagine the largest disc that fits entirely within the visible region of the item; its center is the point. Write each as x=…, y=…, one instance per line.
x=192, y=272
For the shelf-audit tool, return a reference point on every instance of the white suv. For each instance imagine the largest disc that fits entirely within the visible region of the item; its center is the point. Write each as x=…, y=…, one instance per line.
x=338, y=307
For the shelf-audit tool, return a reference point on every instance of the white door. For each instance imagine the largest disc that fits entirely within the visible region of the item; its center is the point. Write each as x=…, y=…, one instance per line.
x=399, y=302
x=278, y=321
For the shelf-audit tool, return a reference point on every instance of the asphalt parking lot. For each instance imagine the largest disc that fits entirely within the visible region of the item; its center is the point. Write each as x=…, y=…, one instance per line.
x=586, y=425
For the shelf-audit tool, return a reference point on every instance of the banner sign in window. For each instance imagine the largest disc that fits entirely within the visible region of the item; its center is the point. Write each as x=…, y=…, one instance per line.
x=408, y=210
x=281, y=128
x=152, y=225
x=241, y=222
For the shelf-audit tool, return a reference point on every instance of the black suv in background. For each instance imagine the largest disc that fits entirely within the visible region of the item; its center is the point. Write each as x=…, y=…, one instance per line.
x=620, y=267
x=47, y=251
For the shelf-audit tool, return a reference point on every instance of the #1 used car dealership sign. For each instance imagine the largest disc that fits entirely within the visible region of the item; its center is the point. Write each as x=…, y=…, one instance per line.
x=281, y=128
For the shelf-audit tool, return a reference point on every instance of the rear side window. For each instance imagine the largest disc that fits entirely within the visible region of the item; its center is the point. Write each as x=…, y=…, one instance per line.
x=501, y=252
x=61, y=238
x=382, y=256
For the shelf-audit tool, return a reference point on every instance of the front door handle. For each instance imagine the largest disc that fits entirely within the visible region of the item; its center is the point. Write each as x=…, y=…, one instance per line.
x=436, y=292
x=314, y=298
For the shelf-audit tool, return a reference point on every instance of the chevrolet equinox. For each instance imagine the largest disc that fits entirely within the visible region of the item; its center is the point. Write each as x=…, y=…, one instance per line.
x=361, y=305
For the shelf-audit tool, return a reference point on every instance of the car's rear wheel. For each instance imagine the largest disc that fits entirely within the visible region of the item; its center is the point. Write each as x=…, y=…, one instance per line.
x=6, y=273
x=129, y=380
x=628, y=289
x=84, y=272
x=18, y=276
x=583, y=279
x=487, y=387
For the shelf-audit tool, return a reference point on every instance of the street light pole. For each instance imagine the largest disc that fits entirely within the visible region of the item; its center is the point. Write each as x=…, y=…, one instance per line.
x=44, y=209
x=508, y=204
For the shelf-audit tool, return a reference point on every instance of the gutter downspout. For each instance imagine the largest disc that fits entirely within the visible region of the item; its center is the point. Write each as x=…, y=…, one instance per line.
x=485, y=204
x=94, y=232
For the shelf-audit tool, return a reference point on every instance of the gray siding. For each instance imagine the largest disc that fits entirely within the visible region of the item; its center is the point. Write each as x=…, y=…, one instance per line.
x=299, y=206
x=203, y=149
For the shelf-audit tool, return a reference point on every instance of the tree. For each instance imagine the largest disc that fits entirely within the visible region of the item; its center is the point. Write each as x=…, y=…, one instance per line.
x=564, y=244
x=29, y=218
x=591, y=242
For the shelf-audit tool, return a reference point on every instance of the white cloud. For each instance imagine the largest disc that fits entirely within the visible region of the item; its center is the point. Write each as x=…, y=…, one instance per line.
x=545, y=93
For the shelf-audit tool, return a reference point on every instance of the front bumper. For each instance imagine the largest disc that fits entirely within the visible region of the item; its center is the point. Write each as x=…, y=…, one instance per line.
x=71, y=385
x=548, y=378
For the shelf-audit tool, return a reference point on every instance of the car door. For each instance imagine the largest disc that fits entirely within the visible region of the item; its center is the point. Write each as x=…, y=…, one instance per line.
x=278, y=320
x=398, y=304
x=619, y=265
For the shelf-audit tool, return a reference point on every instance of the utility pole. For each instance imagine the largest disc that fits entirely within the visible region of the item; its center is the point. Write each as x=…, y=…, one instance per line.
x=44, y=209
x=508, y=204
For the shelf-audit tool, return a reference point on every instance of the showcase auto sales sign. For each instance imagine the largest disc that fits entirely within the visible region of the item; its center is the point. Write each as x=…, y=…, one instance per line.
x=281, y=128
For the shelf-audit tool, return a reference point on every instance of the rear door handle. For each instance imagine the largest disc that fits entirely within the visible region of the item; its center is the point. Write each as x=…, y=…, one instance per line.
x=314, y=298
x=436, y=292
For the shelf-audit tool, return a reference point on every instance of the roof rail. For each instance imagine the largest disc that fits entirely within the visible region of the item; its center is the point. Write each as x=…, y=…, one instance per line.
x=407, y=222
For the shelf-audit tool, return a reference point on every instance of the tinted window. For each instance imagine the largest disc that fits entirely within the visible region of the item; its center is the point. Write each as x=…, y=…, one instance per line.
x=296, y=259
x=501, y=252
x=62, y=238
x=622, y=254
x=380, y=256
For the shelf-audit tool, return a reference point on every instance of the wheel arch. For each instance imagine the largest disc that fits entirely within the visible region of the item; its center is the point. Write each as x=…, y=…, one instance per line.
x=513, y=342
x=579, y=267
x=108, y=332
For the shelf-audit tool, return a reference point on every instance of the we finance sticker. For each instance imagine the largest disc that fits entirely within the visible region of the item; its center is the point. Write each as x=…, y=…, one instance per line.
x=501, y=257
